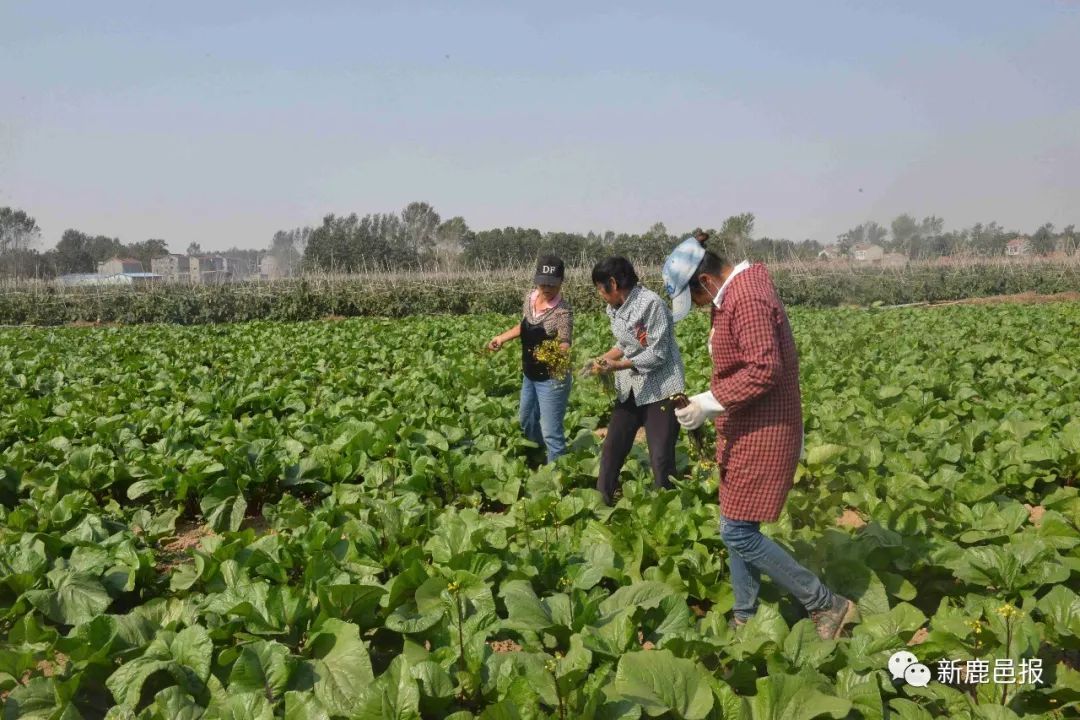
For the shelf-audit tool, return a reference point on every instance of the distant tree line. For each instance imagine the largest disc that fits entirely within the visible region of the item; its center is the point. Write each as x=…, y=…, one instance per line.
x=418, y=238
x=77, y=252
x=927, y=239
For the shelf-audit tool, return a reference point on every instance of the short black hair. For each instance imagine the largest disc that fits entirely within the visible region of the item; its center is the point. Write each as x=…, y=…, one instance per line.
x=616, y=268
x=711, y=264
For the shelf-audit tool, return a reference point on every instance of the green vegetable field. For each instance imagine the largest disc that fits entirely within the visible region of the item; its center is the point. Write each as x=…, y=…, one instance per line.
x=342, y=520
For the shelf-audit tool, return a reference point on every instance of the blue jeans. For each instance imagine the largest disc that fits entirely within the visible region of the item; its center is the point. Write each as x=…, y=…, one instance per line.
x=750, y=553
x=543, y=407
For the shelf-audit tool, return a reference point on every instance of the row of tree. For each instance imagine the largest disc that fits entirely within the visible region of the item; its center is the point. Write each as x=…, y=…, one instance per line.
x=418, y=238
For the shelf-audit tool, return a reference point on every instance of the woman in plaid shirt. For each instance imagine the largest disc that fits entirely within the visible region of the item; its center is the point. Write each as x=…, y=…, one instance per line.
x=755, y=399
x=648, y=370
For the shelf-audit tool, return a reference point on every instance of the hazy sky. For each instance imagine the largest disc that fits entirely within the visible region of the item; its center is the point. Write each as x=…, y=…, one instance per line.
x=221, y=122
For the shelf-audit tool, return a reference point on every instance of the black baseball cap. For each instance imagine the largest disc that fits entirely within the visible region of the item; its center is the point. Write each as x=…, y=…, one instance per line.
x=549, y=270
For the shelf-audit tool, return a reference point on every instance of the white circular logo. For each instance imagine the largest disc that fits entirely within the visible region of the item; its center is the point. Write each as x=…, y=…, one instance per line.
x=899, y=662
x=917, y=675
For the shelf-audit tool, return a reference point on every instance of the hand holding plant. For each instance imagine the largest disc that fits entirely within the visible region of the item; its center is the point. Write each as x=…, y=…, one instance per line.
x=555, y=359
x=598, y=368
x=697, y=435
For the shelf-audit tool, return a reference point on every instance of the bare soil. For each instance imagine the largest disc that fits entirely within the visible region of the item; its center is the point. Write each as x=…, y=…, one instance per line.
x=1035, y=513
x=504, y=646
x=188, y=536
x=175, y=551
x=851, y=519
x=47, y=668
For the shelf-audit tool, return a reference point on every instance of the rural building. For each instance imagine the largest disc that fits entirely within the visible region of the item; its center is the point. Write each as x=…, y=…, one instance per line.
x=1019, y=246
x=207, y=269
x=119, y=266
x=865, y=252
x=239, y=268
x=173, y=268
x=831, y=252
x=269, y=269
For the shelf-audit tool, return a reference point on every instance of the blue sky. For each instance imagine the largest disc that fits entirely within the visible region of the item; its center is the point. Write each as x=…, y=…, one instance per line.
x=223, y=122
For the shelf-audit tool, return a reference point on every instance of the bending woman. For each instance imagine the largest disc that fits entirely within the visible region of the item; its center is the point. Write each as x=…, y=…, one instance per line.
x=648, y=371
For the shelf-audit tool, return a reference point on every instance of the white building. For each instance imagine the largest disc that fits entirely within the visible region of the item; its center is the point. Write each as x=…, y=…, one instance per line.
x=830, y=252
x=118, y=266
x=174, y=268
x=207, y=269
x=866, y=252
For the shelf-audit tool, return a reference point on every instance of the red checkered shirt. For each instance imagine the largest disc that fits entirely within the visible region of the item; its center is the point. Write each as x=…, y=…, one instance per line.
x=756, y=379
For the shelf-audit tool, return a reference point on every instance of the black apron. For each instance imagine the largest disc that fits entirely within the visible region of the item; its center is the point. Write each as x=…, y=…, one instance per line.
x=531, y=337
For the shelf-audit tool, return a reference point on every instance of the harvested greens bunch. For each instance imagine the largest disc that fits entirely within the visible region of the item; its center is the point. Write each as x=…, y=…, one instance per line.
x=697, y=435
x=554, y=358
x=607, y=380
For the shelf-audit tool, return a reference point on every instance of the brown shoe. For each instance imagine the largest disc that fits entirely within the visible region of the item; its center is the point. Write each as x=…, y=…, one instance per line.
x=831, y=620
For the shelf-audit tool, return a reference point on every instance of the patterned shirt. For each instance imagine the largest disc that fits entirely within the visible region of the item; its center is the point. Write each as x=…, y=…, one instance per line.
x=657, y=371
x=756, y=378
x=557, y=321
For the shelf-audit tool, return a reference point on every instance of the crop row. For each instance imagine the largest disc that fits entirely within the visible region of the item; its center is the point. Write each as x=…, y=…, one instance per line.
x=407, y=295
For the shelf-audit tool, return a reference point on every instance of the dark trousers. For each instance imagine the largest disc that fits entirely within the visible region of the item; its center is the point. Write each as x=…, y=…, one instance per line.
x=661, y=432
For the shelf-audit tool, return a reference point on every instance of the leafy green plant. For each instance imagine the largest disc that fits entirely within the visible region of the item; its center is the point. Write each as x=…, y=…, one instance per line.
x=320, y=520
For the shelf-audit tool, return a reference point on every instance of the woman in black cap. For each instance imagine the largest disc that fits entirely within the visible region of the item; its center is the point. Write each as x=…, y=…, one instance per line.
x=545, y=316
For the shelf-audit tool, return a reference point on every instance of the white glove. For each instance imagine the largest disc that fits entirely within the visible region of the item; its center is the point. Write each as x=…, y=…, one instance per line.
x=692, y=416
x=708, y=403
x=702, y=407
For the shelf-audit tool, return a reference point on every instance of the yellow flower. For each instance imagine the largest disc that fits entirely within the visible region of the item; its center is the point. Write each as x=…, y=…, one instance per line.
x=554, y=358
x=1009, y=611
